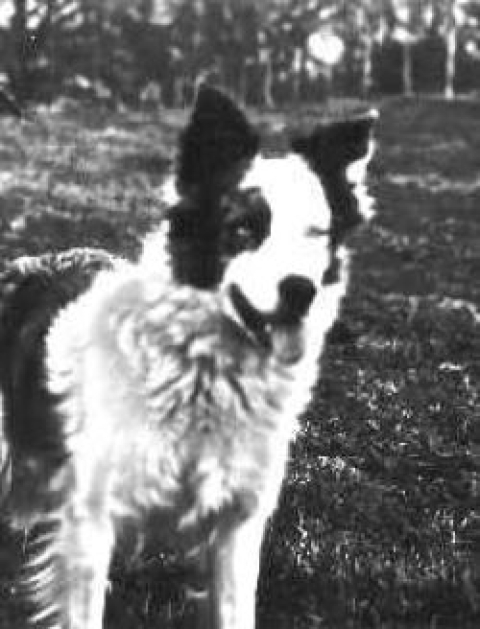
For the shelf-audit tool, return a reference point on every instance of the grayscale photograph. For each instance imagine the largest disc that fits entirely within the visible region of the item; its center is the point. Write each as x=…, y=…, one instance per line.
x=239, y=314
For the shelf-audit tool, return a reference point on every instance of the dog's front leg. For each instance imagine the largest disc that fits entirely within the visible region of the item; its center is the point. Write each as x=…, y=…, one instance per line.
x=234, y=560
x=86, y=544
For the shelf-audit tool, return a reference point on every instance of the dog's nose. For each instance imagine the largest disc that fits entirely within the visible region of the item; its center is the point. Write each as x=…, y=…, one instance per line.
x=296, y=295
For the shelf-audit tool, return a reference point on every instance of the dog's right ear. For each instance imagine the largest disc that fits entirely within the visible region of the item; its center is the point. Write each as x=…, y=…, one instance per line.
x=216, y=146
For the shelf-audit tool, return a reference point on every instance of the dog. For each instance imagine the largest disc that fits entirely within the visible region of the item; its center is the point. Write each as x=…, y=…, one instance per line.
x=167, y=389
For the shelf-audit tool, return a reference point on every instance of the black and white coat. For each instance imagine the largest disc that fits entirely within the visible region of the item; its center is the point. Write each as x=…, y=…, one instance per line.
x=168, y=388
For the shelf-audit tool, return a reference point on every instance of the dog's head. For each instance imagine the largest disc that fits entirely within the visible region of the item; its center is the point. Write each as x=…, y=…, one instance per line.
x=265, y=231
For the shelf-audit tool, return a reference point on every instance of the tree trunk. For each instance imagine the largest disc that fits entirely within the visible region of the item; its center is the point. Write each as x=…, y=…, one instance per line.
x=146, y=10
x=297, y=79
x=451, y=50
x=367, y=67
x=18, y=65
x=267, y=78
x=407, y=69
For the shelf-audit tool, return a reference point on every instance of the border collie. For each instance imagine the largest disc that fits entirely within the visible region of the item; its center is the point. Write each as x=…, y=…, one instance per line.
x=167, y=390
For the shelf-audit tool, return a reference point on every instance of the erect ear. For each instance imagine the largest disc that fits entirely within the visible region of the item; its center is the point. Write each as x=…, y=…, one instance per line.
x=333, y=146
x=217, y=144
x=339, y=153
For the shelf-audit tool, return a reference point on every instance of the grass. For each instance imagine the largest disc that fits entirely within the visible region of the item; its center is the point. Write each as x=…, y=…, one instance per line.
x=379, y=521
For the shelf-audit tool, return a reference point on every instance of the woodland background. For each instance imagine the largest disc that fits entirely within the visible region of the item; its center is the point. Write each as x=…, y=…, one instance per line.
x=267, y=52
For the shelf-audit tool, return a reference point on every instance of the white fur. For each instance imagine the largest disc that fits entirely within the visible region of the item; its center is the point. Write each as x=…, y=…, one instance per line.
x=356, y=175
x=298, y=240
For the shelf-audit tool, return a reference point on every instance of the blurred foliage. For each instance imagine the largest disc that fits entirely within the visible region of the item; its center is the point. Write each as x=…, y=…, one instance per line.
x=155, y=51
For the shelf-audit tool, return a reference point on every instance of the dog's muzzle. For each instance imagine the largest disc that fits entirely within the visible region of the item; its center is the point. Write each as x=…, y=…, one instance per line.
x=295, y=296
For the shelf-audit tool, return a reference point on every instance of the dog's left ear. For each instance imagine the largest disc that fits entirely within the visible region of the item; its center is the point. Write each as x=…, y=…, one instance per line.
x=339, y=153
x=217, y=144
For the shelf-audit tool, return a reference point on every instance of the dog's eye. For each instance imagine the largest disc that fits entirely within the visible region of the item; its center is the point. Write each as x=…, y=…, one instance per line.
x=316, y=232
x=246, y=229
x=241, y=237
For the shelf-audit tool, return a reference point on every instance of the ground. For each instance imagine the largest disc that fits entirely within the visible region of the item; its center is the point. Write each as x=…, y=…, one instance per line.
x=379, y=521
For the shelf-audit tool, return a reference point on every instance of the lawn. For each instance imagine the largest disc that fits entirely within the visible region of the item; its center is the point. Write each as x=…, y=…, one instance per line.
x=379, y=521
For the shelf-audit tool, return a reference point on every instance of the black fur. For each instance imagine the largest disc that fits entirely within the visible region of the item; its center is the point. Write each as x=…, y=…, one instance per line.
x=200, y=249
x=216, y=146
x=216, y=149
x=329, y=150
x=33, y=292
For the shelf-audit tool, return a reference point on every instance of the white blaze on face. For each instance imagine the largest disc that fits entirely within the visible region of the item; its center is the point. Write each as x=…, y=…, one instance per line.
x=298, y=239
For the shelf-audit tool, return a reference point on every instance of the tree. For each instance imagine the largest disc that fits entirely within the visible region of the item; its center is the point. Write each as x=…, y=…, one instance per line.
x=409, y=27
x=413, y=18
x=28, y=36
x=366, y=22
x=19, y=53
x=451, y=18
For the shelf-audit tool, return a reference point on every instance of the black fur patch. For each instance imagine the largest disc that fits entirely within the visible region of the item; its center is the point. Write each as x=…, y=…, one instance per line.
x=194, y=242
x=247, y=221
x=215, y=151
x=216, y=146
x=202, y=242
x=329, y=150
x=33, y=292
